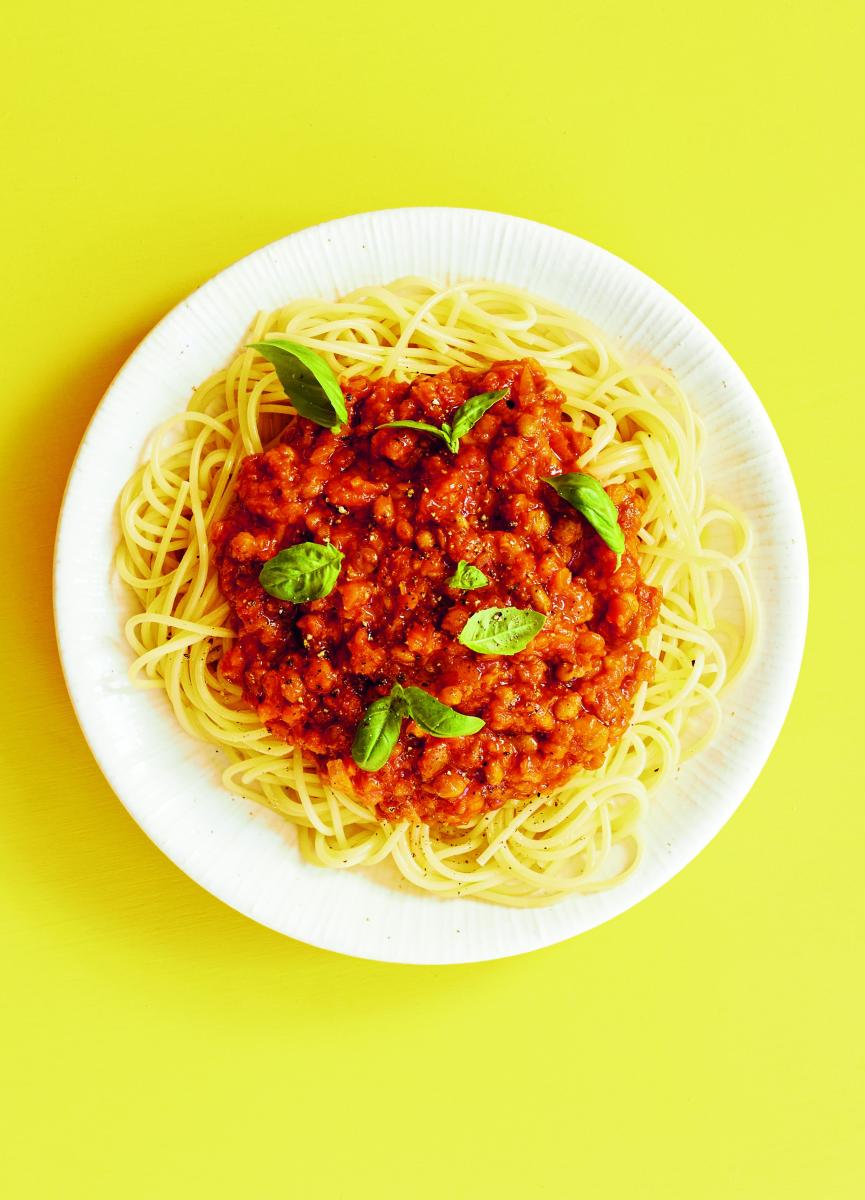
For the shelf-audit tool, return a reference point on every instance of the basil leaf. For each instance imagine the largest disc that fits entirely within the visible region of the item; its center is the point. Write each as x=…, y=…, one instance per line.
x=378, y=732
x=501, y=630
x=466, y=577
x=307, y=380
x=444, y=434
x=585, y=494
x=437, y=718
x=379, y=729
x=307, y=571
x=465, y=417
x=468, y=414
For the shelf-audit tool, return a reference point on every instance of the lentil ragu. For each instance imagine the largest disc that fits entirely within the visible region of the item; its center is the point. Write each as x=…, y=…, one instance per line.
x=404, y=511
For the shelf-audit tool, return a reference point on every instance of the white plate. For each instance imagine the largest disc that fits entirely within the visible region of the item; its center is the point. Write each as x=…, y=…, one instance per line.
x=246, y=855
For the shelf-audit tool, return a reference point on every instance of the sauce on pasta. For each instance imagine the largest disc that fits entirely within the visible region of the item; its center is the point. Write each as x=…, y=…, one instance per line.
x=404, y=510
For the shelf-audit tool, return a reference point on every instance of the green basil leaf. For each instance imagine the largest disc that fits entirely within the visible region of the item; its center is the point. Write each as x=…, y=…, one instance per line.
x=307, y=380
x=466, y=577
x=465, y=417
x=501, y=630
x=437, y=718
x=468, y=414
x=585, y=494
x=378, y=732
x=307, y=571
x=444, y=434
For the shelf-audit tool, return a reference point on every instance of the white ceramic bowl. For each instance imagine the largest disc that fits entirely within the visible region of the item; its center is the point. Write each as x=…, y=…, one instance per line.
x=246, y=855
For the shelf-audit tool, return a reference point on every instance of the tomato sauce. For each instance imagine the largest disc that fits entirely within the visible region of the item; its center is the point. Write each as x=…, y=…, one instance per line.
x=404, y=510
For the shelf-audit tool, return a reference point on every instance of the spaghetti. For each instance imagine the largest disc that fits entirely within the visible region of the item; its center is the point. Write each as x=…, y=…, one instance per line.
x=585, y=835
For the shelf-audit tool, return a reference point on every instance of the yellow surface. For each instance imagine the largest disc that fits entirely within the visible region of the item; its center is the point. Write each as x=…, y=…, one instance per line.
x=707, y=1044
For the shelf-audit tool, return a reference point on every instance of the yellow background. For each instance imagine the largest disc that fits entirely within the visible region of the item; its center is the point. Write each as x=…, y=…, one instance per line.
x=707, y=1044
